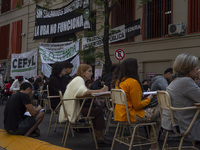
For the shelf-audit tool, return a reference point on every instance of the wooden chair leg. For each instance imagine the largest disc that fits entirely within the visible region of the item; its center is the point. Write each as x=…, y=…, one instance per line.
x=94, y=136
x=68, y=126
x=132, y=138
x=108, y=122
x=116, y=130
x=155, y=136
x=56, y=123
x=165, y=141
x=181, y=143
x=51, y=117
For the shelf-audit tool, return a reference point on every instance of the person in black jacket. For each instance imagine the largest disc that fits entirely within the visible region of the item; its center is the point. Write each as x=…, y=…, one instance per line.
x=57, y=82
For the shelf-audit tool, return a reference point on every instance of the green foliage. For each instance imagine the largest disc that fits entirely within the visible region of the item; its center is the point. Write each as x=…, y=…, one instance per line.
x=87, y=55
x=89, y=34
x=99, y=55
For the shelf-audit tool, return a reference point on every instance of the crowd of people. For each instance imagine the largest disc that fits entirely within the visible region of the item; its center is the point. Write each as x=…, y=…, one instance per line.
x=182, y=82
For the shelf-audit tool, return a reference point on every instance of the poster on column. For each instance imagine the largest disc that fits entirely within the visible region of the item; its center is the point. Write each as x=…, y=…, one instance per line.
x=24, y=64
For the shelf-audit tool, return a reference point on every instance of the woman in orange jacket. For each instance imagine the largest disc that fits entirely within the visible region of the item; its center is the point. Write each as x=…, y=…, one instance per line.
x=128, y=80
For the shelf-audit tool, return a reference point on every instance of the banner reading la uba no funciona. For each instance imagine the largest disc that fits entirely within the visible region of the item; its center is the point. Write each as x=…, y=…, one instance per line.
x=24, y=64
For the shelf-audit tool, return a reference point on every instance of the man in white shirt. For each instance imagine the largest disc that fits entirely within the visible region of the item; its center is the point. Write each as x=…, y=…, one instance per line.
x=16, y=84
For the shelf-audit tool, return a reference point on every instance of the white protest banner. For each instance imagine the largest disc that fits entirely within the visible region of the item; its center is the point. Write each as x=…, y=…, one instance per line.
x=76, y=63
x=24, y=64
x=47, y=69
x=52, y=56
x=55, y=46
x=116, y=34
x=98, y=73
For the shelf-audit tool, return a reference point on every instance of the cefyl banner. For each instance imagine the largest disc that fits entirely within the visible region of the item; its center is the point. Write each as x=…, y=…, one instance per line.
x=71, y=18
x=52, y=56
x=24, y=64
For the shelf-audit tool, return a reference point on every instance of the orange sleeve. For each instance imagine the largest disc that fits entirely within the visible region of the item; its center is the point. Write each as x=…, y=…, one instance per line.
x=136, y=96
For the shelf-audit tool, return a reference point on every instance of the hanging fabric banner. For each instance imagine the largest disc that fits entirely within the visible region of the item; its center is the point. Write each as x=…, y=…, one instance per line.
x=24, y=64
x=71, y=18
x=76, y=63
x=133, y=28
x=55, y=46
x=47, y=69
x=52, y=56
x=116, y=34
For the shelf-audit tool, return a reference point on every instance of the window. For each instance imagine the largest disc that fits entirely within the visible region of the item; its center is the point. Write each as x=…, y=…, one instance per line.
x=16, y=3
x=5, y=5
x=16, y=38
x=193, y=16
x=4, y=41
x=157, y=17
x=123, y=13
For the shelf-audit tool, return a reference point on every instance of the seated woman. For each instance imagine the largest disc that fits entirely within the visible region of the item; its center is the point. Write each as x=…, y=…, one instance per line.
x=128, y=80
x=78, y=88
x=185, y=92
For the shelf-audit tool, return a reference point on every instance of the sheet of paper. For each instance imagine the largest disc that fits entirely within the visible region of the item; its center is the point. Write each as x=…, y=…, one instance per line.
x=151, y=92
x=27, y=113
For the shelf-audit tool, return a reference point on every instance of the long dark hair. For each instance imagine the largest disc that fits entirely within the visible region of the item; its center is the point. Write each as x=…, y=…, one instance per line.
x=37, y=82
x=128, y=69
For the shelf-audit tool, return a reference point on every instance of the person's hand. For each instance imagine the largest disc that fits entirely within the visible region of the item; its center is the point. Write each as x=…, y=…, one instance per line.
x=150, y=96
x=39, y=107
x=104, y=89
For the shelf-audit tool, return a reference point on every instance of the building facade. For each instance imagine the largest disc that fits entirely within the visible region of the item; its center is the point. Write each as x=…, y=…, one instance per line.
x=168, y=28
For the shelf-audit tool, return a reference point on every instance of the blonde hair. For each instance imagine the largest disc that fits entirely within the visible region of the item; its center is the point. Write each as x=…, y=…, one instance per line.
x=82, y=68
x=183, y=64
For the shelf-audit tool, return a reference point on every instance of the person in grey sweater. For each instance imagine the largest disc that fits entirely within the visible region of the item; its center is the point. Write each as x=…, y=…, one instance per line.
x=184, y=92
x=161, y=82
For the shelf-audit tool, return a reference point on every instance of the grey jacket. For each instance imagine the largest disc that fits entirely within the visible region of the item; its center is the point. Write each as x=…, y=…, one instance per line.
x=184, y=92
x=159, y=83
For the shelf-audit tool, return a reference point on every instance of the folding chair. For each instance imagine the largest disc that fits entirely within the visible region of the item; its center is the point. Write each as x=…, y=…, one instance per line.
x=88, y=120
x=118, y=96
x=43, y=100
x=164, y=102
x=54, y=113
x=109, y=111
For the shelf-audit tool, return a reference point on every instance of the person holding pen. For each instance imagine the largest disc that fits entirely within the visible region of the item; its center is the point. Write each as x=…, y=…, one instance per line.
x=15, y=122
x=128, y=80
